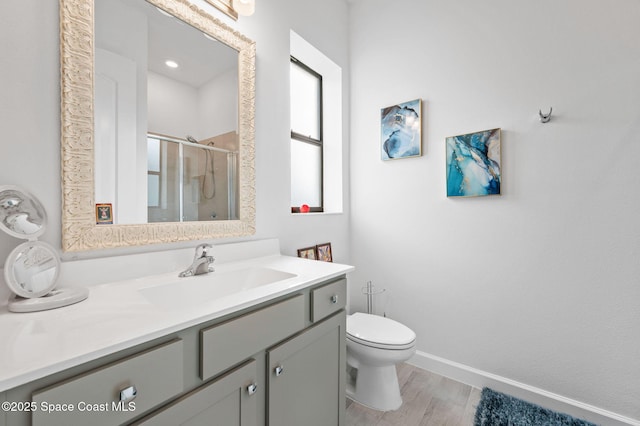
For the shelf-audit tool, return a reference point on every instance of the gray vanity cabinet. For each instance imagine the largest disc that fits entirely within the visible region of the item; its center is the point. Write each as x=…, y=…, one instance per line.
x=228, y=400
x=3, y=420
x=279, y=363
x=306, y=376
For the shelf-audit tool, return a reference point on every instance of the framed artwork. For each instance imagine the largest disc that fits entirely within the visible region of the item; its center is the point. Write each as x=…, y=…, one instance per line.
x=324, y=252
x=104, y=214
x=473, y=164
x=308, y=253
x=401, y=129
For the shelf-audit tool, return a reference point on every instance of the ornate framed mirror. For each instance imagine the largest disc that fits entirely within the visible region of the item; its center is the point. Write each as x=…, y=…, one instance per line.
x=80, y=228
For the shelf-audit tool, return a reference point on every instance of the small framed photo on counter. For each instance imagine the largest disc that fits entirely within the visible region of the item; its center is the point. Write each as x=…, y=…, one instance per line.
x=308, y=253
x=324, y=252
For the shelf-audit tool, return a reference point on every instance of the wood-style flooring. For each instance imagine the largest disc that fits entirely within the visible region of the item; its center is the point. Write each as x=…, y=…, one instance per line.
x=428, y=400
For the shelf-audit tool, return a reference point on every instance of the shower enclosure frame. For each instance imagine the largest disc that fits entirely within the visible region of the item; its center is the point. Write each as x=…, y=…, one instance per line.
x=232, y=158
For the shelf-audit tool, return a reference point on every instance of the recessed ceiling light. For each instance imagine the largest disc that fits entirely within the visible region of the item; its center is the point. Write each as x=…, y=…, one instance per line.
x=171, y=64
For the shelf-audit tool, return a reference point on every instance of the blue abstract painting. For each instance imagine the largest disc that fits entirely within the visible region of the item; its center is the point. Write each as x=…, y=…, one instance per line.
x=473, y=164
x=401, y=128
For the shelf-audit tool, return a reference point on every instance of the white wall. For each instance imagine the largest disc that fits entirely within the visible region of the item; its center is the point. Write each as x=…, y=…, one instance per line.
x=123, y=31
x=218, y=105
x=178, y=109
x=172, y=107
x=542, y=284
x=324, y=25
x=30, y=117
x=30, y=107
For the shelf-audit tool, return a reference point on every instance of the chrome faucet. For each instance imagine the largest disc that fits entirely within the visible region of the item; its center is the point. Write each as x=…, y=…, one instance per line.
x=202, y=262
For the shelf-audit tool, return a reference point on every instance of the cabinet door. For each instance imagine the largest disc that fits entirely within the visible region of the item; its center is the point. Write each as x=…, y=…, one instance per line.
x=230, y=400
x=3, y=419
x=306, y=377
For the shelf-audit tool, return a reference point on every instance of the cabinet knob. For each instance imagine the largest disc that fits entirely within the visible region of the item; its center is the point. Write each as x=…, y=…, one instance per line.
x=128, y=394
x=334, y=299
x=252, y=388
x=279, y=370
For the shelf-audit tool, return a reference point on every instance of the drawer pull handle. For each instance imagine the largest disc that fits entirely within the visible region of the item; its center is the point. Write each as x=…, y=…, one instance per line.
x=252, y=388
x=279, y=370
x=334, y=299
x=128, y=394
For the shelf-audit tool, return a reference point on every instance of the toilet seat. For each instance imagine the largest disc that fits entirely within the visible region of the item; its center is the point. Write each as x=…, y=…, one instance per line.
x=379, y=332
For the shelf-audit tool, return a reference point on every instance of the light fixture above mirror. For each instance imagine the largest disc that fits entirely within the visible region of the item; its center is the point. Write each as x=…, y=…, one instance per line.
x=244, y=7
x=79, y=228
x=233, y=8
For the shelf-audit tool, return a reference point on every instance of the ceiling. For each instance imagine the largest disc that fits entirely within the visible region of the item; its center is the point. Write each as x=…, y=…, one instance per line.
x=200, y=58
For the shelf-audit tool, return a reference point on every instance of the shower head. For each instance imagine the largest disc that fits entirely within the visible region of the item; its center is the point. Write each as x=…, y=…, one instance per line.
x=191, y=139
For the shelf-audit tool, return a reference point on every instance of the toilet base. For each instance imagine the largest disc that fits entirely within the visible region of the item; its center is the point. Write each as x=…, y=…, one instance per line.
x=376, y=387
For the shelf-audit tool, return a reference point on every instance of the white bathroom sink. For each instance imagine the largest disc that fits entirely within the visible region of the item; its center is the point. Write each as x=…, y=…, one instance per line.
x=200, y=289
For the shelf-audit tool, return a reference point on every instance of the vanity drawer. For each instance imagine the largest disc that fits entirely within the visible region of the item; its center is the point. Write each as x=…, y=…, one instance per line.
x=328, y=299
x=233, y=341
x=93, y=398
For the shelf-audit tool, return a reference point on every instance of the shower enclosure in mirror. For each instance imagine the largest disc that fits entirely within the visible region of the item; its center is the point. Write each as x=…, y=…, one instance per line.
x=190, y=181
x=154, y=75
x=157, y=122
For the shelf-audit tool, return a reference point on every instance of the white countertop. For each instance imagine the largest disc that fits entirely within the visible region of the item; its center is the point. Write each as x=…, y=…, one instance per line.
x=117, y=316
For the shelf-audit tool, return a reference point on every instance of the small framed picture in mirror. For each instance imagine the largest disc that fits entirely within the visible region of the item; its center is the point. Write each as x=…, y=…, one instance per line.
x=324, y=252
x=308, y=253
x=104, y=214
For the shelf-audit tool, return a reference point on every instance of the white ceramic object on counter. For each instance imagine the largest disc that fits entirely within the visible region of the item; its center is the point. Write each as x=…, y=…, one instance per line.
x=31, y=270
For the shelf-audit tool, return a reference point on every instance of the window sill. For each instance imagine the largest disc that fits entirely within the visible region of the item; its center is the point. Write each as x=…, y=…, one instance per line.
x=316, y=213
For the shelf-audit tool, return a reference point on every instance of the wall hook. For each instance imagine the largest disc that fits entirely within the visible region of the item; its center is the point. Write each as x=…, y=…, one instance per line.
x=545, y=118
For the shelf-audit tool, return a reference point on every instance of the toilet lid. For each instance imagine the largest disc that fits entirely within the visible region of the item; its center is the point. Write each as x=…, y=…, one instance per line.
x=379, y=331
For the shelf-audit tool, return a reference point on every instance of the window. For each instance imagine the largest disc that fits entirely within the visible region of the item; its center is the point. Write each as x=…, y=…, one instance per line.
x=306, y=138
x=316, y=129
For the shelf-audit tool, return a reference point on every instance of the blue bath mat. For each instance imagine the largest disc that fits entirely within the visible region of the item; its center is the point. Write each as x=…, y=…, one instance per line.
x=498, y=409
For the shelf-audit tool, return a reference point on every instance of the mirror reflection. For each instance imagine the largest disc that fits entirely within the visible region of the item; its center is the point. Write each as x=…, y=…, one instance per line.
x=21, y=214
x=33, y=269
x=192, y=180
x=165, y=117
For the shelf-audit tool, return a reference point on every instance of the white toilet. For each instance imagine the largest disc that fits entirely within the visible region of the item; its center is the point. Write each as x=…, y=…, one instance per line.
x=375, y=345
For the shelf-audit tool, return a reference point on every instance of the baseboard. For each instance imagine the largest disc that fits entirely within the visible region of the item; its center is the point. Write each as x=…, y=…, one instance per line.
x=479, y=379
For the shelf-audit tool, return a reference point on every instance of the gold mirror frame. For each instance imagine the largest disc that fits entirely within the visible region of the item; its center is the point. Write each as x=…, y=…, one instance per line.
x=79, y=229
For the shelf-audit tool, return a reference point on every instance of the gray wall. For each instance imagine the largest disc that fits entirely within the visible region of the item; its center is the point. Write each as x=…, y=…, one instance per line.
x=30, y=107
x=539, y=285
